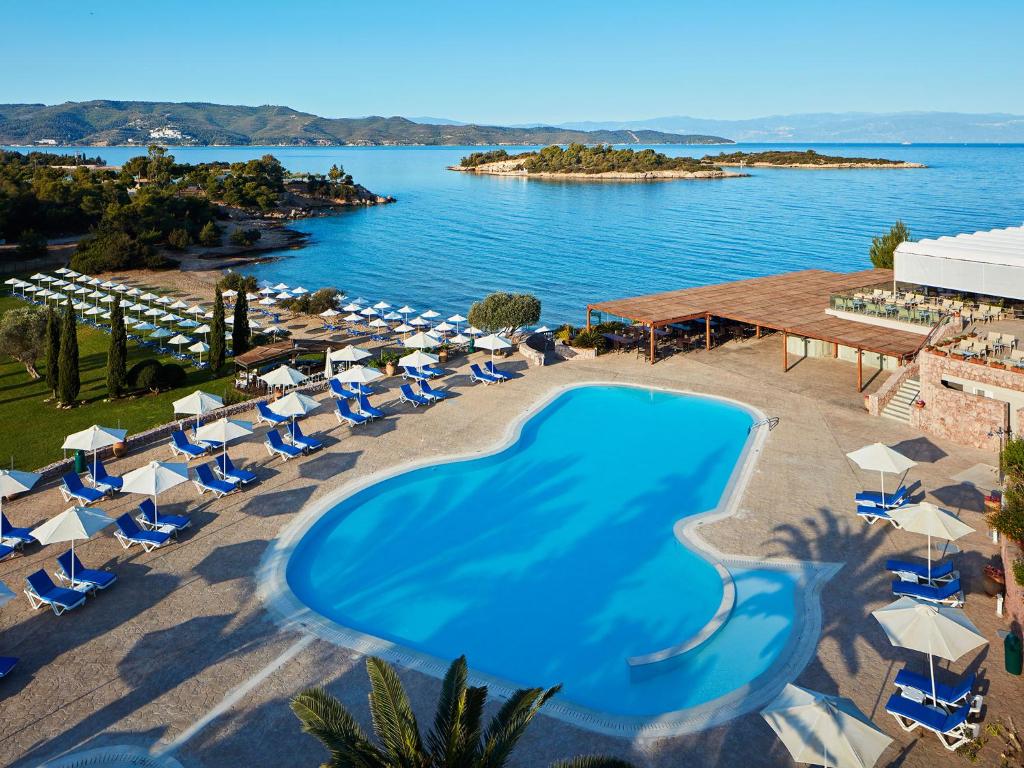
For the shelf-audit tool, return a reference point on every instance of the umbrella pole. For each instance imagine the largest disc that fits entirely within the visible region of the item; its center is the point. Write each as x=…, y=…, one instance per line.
x=929, y=558
x=156, y=514
x=931, y=669
x=72, y=562
x=881, y=478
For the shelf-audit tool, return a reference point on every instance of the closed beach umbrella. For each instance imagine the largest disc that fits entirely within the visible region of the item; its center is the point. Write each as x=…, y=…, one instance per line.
x=932, y=521
x=882, y=459
x=70, y=525
x=824, y=730
x=493, y=342
x=420, y=341
x=933, y=629
x=294, y=404
x=92, y=439
x=417, y=359
x=359, y=374
x=153, y=479
x=13, y=481
x=283, y=376
x=224, y=430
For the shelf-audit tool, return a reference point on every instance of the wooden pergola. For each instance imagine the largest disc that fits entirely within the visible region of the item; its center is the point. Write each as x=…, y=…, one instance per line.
x=792, y=303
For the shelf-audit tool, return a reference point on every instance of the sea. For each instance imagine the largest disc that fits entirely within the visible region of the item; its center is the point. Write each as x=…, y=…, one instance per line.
x=452, y=238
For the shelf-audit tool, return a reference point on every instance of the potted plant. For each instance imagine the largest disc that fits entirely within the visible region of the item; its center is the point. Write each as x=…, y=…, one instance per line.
x=443, y=353
x=940, y=352
x=993, y=580
x=120, y=449
x=955, y=356
x=996, y=364
x=919, y=404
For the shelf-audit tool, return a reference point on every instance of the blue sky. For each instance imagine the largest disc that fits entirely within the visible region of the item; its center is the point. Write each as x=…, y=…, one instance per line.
x=524, y=61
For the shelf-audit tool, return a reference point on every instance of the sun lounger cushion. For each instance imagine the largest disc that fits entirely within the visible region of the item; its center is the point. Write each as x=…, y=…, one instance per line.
x=8, y=531
x=279, y=446
x=944, y=593
x=205, y=481
x=477, y=375
x=73, y=489
x=940, y=570
x=154, y=519
x=180, y=444
x=875, y=497
x=408, y=396
x=942, y=723
x=229, y=470
x=430, y=392
x=952, y=695
x=128, y=532
x=268, y=415
x=345, y=413
x=93, y=577
x=45, y=592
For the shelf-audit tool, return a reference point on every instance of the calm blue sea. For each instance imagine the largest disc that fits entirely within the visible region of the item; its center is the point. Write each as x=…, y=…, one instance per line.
x=452, y=238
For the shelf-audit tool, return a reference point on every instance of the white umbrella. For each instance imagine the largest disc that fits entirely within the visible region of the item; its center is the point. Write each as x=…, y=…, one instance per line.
x=144, y=326
x=456, y=318
x=349, y=354
x=928, y=519
x=200, y=347
x=71, y=524
x=417, y=359
x=419, y=322
x=382, y=305
x=406, y=310
x=13, y=481
x=92, y=439
x=824, y=730
x=392, y=316
x=299, y=291
x=474, y=331
x=199, y=403
x=280, y=287
x=430, y=314
x=880, y=458
x=936, y=630
x=188, y=324
x=493, y=342
x=420, y=341
x=444, y=327
x=352, y=317
x=61, y=271
x=267, y=302
x=330, y=313
x=377, y=323
x=153, y=479
x=224, y=430
x=359, y=374
x=273, y=330
x=179, y=304
x=403, y=328
x=283, y=295
x=179, y=340
x=369, y=312
x=159, y=299
x=283, y=376
x=294, y=404
x=350, y=307
x=459, y=339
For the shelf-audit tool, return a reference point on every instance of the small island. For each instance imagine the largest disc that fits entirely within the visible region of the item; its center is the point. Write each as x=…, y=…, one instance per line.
x=592, y=163
x=806, y=159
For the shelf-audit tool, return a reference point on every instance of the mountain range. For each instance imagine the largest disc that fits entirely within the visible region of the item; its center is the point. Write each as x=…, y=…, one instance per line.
x=848, y=127
x=105, y=123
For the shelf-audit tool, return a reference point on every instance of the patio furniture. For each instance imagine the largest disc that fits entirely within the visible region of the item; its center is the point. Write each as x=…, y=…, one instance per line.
x=73, y=573
x=40, y=590
x=952, y=728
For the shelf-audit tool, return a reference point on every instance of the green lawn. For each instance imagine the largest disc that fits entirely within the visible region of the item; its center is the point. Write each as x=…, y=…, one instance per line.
x=31, y=430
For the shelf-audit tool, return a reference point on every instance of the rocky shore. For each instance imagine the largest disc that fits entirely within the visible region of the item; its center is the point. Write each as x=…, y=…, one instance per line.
x=514, y=167
x=819, y=166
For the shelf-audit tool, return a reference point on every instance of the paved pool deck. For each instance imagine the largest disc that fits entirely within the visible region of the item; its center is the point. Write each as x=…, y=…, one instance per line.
x=182, y=659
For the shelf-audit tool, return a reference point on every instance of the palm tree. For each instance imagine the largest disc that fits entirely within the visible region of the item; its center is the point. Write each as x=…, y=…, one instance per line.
x=457, y=739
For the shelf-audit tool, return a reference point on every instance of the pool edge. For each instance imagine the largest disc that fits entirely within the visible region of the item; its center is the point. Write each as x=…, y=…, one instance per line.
x=290, y=612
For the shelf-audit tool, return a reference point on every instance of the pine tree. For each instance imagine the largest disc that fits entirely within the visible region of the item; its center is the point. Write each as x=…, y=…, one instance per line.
x=52, y=349
x=240, y=332
x=117, y=354
x=883, y=247
x=68, y=381
x=217, y=333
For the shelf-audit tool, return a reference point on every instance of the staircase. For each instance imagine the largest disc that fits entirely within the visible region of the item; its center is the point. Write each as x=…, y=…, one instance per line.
x=899, y=407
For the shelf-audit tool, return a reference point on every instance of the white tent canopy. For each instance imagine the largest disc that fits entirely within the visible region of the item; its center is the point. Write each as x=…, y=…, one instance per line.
x=988, y=262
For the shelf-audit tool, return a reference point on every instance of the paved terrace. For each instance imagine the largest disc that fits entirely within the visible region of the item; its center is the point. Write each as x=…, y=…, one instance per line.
x=792, y=303
x=181, y=657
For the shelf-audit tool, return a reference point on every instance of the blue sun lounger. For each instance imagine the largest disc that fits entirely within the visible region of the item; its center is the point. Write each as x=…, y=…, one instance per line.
x=414, y=373
x=948, y=696
x=41, y=591
x=910, y=571
x=102, y=480
x=89, y=579
x=432, y=394
x=7, y=663
x=952, y=728
x=345, y=414
x=492, y=369
x=6, y=551
x=205, y=481
x=299, y=440
x=264, y=414
x=72, y=489
x=944, y=594
x=226, y=469
x=180, y=445
x=432, y=371
x=153, y=520
x=129, y=533
x=368, y=410
x=897, y=499
x=338, y=390
x=406, y=395
x=871, y=515
x=275, y=445
x=20, y=536
x=476, y=375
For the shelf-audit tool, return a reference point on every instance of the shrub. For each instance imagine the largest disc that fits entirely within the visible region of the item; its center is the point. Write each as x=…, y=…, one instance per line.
x=589, y=339
x=245, y=237
x=171, y=376
x=313, y=303
x=1012, y=459
x=179, y=239
x=1009, y=518
x=209, y=235
x=1018, y=570
x=236, y=281
x=145, y=374
x=31, y=244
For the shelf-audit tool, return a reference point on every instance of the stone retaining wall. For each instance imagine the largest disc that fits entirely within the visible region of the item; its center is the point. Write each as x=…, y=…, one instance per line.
x=876, y=401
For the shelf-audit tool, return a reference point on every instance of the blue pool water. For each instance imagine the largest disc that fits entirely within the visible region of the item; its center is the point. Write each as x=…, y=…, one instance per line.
x=453, y=237
x=555, y=559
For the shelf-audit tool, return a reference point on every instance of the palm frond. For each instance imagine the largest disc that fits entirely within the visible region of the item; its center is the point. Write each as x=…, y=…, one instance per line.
x=593, y=761
x=508, y=725
x=324, y=717
x=447, y=736
x=393, y=719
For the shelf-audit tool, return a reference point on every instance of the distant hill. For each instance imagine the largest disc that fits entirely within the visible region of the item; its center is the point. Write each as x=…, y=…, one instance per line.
x=889, y=127
x=102, y=123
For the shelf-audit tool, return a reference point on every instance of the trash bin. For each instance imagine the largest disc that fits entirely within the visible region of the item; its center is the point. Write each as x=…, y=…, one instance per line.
x=80, y=461
x=1012, y=653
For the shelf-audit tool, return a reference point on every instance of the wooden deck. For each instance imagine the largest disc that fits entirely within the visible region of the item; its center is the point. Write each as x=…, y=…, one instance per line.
x=793, y=303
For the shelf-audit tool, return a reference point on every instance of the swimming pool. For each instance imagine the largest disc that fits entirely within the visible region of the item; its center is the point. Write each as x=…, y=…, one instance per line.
x=555, y=560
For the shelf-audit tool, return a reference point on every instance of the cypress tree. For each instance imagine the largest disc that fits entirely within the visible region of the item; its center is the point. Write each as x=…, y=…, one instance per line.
x=68, y=380
x=240, y=332
x=52, y=349
x=117, y=354
x=217, y=333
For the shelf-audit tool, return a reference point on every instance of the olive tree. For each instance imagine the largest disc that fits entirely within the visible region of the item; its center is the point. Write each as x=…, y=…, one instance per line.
x=23, y=336
x=505, y=312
